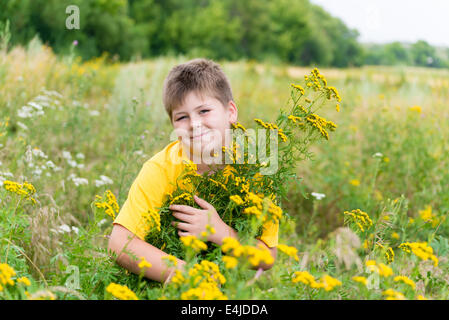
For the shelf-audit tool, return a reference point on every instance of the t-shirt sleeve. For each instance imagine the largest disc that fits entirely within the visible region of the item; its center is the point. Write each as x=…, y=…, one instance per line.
x=270, y=234
x=146, y=192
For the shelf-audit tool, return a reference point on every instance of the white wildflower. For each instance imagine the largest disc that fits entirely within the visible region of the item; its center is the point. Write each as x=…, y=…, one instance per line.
x=318, y=196
x=50, y=164
x=37, y=172
x=39, y=153
x=72, y=163
x=66, y=155
x=79, y=155
x=7, y=174
x=64, y=228
x=22, y=125
x=103, y=181
x=36, y=106
x=77, y=181
x=25, y=112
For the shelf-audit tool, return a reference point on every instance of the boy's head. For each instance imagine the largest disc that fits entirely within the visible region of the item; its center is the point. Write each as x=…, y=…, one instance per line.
x=198, y=99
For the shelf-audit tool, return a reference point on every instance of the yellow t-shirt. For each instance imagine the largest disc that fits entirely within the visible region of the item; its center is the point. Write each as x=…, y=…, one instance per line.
x=158, y=178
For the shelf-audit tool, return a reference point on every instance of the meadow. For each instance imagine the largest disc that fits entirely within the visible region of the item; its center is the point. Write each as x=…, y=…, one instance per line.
x=368, y=219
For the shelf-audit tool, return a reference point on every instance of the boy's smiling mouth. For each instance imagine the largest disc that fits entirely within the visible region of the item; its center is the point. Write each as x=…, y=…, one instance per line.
x=200, y=135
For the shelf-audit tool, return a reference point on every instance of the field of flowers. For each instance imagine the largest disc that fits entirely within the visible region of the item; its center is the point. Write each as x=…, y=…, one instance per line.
x=367, y=220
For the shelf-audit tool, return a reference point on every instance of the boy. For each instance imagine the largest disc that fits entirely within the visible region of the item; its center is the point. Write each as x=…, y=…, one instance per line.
x=198, y=99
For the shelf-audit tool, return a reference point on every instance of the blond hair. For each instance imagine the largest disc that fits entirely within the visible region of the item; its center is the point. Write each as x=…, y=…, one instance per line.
x=202, y=76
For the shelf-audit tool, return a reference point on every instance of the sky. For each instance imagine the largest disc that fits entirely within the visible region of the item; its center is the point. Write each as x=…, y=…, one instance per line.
x=382, y=21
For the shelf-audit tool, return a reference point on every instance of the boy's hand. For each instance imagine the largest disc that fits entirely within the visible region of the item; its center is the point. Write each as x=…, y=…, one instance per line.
x=194, y=221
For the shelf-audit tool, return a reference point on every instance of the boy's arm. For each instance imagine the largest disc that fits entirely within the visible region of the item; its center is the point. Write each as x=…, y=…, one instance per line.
x=122, y=241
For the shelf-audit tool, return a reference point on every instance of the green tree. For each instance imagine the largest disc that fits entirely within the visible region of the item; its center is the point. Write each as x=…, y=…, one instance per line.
x=424, y=54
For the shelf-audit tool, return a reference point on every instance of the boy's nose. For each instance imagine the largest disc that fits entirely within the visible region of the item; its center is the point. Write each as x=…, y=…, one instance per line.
x=195, y=124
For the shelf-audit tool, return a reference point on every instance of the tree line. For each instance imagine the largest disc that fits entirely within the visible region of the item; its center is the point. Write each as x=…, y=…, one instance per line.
x=291, y=31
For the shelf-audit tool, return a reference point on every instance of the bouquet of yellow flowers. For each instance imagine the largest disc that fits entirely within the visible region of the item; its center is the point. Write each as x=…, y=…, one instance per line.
x=245, y=197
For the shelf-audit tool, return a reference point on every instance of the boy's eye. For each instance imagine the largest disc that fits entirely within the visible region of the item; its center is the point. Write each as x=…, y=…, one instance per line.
x=204, y=111
x=180, y=118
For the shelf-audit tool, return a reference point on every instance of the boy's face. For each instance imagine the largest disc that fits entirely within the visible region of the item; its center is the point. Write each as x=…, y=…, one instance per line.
x=201, y=122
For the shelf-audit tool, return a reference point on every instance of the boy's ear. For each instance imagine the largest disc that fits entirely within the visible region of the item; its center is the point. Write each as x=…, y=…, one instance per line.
x=233, y=112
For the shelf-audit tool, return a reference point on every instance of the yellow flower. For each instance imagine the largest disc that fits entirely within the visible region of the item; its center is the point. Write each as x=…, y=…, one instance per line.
x=6, y=274
x=294, y=119
x=206, y=271
x=360, y=218
x=228, y=172
x=393, y=295
x=236, y=199
x=110, y=204
x=238, y=125
x=369, y=263
x=360, y=279
x=416, y=109
x=321, y=124
x=171, y=259
x=231, y=244
x=395, y=235
x=365, y=244
x=205, y=291
x=405, y=280
x=255, y=200
x=290, y=251
x=209, y=230
x=355, y=182
x=24, y=280
x=389, y=254
x=326, y=282
x=178, y=278
x=420, y=249
x=299, y=88
x=194, y=243
x=219, y=184
x=150, y=219
x=384, y=270
x=25, y=189
x=144, y=263
x=230, y=262
x=184, y=196
x=426, y=214
x=121, y=292
x=381, y=269
x=303, y=277
x=428, y=217
x=255, y=255
x=330, y=283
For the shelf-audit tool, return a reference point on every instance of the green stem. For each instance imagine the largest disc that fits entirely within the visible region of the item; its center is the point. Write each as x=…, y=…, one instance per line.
x=12, y=230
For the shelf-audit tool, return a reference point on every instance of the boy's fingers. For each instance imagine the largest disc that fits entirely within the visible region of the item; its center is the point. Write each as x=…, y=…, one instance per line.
x=183, y=217
x=183, y=234
x=182, y=225
x=202, y=203
x=184, y=209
